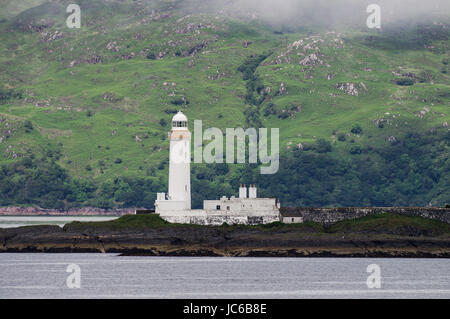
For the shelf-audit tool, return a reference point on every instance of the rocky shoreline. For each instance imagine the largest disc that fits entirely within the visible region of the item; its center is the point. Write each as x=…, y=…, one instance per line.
x=86, y=211
x=218, y=242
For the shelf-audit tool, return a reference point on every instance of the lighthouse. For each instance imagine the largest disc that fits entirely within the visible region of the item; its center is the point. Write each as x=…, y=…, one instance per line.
x=175, y=206
x=179, y=196
x=180, y=162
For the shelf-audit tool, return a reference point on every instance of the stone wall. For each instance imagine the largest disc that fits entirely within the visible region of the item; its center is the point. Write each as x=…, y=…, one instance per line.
x=332, y=215
x=218, y=220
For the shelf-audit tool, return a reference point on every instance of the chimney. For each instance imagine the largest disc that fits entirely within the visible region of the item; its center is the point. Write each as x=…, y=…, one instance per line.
x=243, y=191
x=252, y=192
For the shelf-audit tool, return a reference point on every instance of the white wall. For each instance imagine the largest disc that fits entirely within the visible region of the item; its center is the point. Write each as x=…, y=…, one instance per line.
x=180, y=168
x=292, y=220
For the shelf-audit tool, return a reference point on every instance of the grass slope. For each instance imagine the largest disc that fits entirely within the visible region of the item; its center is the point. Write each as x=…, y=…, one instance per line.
x=389, y=224
x=98, y=94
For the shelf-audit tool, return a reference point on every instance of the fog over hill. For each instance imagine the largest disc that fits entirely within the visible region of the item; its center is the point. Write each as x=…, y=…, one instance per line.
x=295, y=13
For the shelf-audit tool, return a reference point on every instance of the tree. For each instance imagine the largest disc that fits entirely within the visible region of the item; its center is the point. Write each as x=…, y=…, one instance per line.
x=323, y=146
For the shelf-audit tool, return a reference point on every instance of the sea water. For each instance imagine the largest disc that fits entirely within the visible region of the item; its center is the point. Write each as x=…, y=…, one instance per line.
x=18, y=221
x=111, y=276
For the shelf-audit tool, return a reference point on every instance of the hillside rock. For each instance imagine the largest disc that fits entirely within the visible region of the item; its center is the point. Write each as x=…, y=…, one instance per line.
x=348, y=88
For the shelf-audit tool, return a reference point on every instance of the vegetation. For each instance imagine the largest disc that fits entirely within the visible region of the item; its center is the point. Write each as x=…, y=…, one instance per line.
x=84, y=114
x=391, y=224
x=405, y=81
x=125, y=222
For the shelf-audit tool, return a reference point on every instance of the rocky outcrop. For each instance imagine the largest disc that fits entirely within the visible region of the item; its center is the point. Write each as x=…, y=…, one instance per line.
x=311, y=60
x=236, y=241
x=348, y=88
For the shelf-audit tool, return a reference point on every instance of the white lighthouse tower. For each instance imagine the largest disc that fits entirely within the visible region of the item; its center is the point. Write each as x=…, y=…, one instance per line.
x=175, y=207
x=179, y=196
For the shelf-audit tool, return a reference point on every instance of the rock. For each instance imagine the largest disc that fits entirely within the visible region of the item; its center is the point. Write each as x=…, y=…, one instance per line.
x=49, y=36
x=112, y=46
x=392, y=139
x=128, y=56
x=282, y=90
x=246, y=44
x=93, y=60
x=311, y=60
x=348, y=88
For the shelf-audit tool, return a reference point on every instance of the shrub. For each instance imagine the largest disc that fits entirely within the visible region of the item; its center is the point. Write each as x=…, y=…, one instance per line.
x=323, y=146
x=170, y=111
x=356, y=129
x=180, y=101
x=118, y=161
x=341, y=137
x=28, y=126
x=270, y=109
x=355, y=150
x=151, y=56
x=405, y=82
x=163, y=122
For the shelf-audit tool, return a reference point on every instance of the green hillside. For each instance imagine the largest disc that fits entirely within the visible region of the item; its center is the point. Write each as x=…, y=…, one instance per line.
x=363, y=114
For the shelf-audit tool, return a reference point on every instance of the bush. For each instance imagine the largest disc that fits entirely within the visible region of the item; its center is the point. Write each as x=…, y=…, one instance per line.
x=323, y=146
x=180, y=101
x=151, y=56
x=341, y=137
x=118, y=161
x=356, y=129
x=170, y=111
x=6, y=95
x=163, y=122
x=355, y=150
x=270, y=109
x=405, y=82
x=28, y=126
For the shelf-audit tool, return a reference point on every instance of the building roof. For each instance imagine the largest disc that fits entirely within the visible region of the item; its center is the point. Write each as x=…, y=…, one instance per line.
x=291, y=213
x=179, y=117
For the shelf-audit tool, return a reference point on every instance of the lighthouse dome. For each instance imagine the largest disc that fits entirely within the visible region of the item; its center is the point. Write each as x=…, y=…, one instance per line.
x=179, y=117
x=179, y=120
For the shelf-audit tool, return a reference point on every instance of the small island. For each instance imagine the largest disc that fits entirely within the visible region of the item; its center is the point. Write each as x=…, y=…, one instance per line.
x=381, y=235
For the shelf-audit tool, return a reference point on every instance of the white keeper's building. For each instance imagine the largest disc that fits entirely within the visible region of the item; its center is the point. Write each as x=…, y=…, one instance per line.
x=175, y=207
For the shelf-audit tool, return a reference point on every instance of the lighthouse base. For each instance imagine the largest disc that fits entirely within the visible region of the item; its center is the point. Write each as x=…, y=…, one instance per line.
x=202, y=217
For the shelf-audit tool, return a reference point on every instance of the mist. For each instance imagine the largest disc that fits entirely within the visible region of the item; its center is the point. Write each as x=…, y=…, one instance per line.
x=298, y=13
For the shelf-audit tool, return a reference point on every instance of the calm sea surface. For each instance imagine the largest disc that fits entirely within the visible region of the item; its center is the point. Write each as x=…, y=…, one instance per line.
x=112, y=276
x=17, y=221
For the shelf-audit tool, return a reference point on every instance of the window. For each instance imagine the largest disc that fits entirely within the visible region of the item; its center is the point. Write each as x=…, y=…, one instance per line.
x=179, y=124
x=228, y=207
x=218, y=207
x=293, y=219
